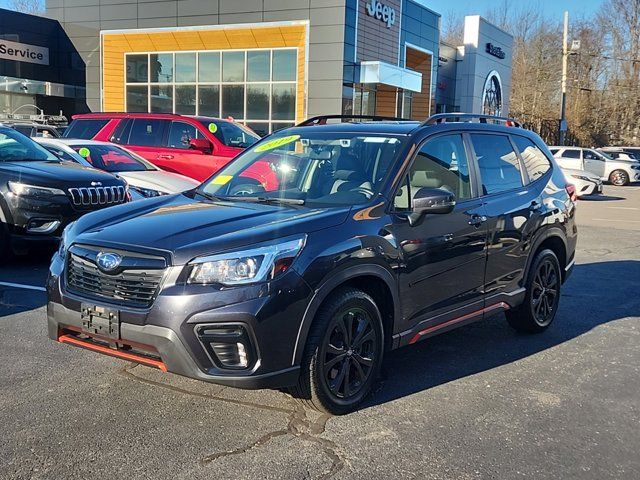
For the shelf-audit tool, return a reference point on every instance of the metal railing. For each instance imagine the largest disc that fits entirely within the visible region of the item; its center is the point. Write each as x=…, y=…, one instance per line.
x=322, y=119
x=469, y=118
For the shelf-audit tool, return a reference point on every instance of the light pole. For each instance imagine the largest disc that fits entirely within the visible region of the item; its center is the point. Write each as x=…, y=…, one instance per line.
x=563, y=100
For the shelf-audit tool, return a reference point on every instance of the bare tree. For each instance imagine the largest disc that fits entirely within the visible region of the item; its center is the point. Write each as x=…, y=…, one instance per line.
x=33, y=7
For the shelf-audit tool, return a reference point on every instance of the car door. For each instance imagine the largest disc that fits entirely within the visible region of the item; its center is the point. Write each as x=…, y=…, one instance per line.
x=594, y=163
x=512, y=212
x=145, y=136
x=442, y=255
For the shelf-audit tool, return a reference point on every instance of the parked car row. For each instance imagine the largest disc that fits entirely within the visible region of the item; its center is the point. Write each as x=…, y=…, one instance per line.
x=105, y=160
x=618, y=171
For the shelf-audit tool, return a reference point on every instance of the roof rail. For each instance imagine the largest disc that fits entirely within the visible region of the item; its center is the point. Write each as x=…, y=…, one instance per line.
x=322, y=119
x=469, y=117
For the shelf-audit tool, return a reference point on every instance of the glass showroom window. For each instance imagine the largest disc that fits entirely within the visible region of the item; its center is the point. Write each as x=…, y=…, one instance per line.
x=256, y=87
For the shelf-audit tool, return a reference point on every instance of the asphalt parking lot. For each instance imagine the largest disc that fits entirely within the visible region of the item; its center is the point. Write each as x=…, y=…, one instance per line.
x=478, y=402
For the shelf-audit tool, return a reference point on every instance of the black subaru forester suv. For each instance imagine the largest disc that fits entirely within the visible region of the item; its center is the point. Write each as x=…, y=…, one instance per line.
x=368, y=236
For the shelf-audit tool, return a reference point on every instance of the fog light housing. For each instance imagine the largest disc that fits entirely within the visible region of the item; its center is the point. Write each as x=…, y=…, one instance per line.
x=229, y=346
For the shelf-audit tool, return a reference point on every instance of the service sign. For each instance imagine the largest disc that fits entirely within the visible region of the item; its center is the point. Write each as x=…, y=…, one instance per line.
x=22, y=52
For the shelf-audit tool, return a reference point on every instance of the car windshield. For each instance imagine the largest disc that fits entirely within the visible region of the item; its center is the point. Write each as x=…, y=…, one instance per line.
x=231, y=134
x=308, y=168
x=15, y=147
x=111, y=158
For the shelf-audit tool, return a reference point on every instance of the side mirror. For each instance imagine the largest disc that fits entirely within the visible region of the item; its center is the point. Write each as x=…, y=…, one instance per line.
x=201, y=144
x=431, y=200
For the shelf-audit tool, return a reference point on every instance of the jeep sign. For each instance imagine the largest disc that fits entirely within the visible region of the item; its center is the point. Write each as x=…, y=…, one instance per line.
x=22, y=52
x=382, y=12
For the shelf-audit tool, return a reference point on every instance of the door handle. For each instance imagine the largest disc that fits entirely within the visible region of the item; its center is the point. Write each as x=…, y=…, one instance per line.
x=165, y=156
x=477, y=220
x=535, y=206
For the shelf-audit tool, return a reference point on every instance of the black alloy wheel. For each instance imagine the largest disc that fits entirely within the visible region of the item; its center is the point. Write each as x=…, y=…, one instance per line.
x=343, y=353
x=545, y=292
x=542, y=296
x=348, y=352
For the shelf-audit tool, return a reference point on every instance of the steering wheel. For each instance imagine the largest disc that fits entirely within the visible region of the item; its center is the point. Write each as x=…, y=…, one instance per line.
x=367, y=192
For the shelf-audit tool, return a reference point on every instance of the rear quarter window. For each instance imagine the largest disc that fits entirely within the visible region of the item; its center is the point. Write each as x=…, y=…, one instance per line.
x=535, y=162
x=85, y=129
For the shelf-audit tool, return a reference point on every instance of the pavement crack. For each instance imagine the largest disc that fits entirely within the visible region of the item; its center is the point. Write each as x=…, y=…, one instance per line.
x=302, y=427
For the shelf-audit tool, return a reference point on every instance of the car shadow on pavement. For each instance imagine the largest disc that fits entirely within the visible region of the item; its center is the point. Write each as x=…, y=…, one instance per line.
x=586, y=303
x=28, y=270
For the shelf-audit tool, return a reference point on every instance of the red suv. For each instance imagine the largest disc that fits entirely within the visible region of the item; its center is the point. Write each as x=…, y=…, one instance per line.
x=193, y=146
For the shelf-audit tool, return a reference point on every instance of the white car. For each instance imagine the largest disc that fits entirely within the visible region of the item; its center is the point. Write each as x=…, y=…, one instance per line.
x=615, y=171
x=586, y=183
x=144, y=178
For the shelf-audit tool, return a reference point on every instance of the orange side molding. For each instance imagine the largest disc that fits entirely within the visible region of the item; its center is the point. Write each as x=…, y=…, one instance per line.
x=113, y=353
x=477, y=313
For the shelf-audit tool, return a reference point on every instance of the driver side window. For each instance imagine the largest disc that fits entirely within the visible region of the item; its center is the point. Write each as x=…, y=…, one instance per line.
x=440, y=163
x=590, y=155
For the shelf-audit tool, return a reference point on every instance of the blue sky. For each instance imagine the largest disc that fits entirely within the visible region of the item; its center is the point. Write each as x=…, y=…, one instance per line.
x=552, y=8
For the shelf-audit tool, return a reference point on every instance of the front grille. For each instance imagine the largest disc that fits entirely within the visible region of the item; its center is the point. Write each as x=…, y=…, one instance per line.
x=91, y=196
x=134, y=287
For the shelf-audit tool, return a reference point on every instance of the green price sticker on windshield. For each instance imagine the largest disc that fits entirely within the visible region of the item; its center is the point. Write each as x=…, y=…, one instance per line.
x=276, y=143
x=213, y=128
x=84, y=152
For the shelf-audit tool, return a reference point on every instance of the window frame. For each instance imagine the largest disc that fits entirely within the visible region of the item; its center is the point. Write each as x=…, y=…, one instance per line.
x=524, y=176
x=404, y=175
x=270, y=123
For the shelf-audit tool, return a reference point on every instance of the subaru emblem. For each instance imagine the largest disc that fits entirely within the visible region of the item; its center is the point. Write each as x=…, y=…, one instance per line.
x=108, y=261
x=96, y=184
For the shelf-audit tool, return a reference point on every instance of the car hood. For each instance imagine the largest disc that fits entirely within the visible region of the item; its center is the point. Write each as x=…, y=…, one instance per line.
x=166, y=182
x=56, y=174
x=186, y=227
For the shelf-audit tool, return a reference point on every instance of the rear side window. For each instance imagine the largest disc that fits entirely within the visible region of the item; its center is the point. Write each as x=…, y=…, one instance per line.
x=498, y=163
x=85, y=129
x=535, y=162
x=146, y=132
x=571, y=154
x=553, y=151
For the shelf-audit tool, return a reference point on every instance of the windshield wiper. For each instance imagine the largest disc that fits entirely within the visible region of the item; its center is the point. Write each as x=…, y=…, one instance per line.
x=208, y=196
x=289, y=201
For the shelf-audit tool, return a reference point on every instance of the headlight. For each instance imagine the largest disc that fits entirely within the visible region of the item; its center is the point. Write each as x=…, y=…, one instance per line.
x=147, y=192
x=586, y=179
x=249, y=266
x=33, y=190
x=64, y=240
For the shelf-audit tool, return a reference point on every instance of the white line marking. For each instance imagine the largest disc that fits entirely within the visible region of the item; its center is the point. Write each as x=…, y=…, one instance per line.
x=617, y=221
x=626, y=208
x=26, y=287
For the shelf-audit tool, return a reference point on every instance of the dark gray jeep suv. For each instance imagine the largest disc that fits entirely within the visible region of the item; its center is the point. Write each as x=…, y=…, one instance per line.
x=364, y=236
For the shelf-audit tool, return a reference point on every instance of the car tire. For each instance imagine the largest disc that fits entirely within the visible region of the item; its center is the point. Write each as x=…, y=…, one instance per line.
x=542, y=296
x=619, y=178
x=343, y=353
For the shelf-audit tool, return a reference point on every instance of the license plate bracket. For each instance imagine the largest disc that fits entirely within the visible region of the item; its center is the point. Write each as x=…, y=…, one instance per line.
x=101, y=321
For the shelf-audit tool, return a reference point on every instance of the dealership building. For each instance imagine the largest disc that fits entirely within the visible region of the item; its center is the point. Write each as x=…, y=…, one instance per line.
x=271, y=63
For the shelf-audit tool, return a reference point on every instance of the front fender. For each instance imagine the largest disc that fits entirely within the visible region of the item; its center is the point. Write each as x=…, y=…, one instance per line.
x=334, y=281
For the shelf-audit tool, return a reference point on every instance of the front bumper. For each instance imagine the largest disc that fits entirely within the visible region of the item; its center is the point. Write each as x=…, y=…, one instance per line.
x=165, y=335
